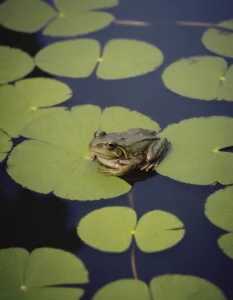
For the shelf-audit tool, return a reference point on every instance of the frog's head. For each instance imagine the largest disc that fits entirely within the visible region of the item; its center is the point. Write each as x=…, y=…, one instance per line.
x=106, y=146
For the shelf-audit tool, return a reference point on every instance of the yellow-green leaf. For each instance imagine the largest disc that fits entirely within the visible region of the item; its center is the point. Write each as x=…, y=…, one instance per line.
x=5, y=145
x=220, y=41
x=27, y=100
x=25, y=15
x=225, y=242
x=108, y=229
x=158, y=230
x=124, y=58
x=184, y=287
x=200, y=77
x=75, y=59
x=14, y=64
x=129, y=289
x=195, y=155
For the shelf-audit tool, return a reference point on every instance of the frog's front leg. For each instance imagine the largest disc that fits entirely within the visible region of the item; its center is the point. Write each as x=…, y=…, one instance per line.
x=155, y=153
x=121, y=167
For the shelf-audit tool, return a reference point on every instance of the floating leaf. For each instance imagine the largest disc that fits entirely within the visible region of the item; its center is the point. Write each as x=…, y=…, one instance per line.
x=57, y=159
x=129, y=289
x=195, y=155
x=108, y=229
x=27, y=100
x=25, y=275
x=165, y=287
x=25, y=15
x=200, y=77
x=220, y=41
x=77, y=17
x=225, y=242
x=5, y=145
x=219, y=208
x=14, y=64
x=124, y=58
x=111, y=229
x=75, y=59
x=184, y=287
x=158, y=230
x=78, y=58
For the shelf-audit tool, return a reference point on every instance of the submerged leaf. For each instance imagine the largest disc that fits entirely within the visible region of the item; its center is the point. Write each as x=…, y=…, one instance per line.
x=200, y=77
x=129, y=289
x=58, y=159
x=158, y=230
x=184, y=287
x=5, y=145
x=108, y=229
x=124, y=58
x=220, y=41
x=14, y=64
x=28, y=275
x=195, y=155
x=27, y=100
x=25, y=15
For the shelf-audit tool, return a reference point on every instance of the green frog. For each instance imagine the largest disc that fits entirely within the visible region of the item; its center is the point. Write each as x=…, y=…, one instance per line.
x=121, y=152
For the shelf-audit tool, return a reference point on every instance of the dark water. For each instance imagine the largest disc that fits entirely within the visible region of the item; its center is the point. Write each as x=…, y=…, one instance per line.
x=30, y=220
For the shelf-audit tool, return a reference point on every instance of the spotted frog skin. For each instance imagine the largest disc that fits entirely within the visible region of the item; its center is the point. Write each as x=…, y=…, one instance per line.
x=121, y=152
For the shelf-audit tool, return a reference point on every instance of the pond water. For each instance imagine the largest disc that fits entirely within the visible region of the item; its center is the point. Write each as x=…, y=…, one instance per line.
x=31, y=220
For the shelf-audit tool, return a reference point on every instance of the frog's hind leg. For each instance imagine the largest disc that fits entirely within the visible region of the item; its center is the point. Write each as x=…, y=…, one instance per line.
x=115, y=172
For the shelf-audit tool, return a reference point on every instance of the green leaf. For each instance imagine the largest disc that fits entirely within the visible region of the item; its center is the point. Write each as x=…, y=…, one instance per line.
x=75, y=59
x=78, y=58
x=129, y=289
x=200, y=77
x=5, y=145
x=219, y=208
x=112, y=120
x=25, y=276
x=25, y=15
x=58, y=159
x=124, y=58
x=225, y=242
x=14, y=64
x=75, y=17
x=184, y=287
x=108, y=229
x=219, y=41
x=158, y=230
x=195, y=157
x=27, y=100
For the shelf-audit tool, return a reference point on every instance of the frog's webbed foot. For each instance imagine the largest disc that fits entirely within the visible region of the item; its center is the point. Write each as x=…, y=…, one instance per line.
x=148, y=166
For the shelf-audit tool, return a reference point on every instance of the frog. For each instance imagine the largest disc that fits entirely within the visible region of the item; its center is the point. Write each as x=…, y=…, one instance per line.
x=119, y=153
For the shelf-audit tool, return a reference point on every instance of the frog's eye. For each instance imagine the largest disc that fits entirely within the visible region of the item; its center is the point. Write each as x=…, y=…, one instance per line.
x=110, y=146
x=99, y=133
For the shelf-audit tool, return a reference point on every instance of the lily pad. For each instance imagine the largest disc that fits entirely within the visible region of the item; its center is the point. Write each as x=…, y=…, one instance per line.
x=225, y=242
x=200, y=77
x=14, y=64
x=111, y=229
x=129, y=289
x=124, y=58
x=78, y=58
x=30, y=276
x=25, y=15
x=27, y=100
x=196, y=156
x=184, y=287
x=165, y=287
x=158, y=230
x=57, y=159
x=5, y=145
x=220, y=41
x=79, y=17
